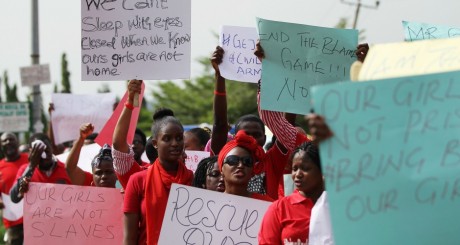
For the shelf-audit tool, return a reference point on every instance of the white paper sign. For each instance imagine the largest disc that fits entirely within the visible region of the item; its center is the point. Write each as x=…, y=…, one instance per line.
x=12, y=211
x=239, y=62
x=199, y=216
x=71, y=111
x=87, y=153
x=35, y=75
x=14, y=117
x=194, y=157
x=128, y=39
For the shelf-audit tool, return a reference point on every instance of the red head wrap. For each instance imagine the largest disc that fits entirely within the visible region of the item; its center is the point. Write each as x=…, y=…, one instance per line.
x=245, y=141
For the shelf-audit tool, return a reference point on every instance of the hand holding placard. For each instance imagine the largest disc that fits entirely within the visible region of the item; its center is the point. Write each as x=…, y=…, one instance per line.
x=134, y=88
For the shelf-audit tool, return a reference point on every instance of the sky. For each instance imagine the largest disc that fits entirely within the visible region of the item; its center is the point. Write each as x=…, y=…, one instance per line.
x=59, y=26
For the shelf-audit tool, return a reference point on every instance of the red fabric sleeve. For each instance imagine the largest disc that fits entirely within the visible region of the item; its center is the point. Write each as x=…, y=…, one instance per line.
x=132, y=200
x=270, y=229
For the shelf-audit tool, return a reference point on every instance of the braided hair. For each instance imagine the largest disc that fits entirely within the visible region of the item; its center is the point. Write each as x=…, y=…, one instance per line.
x=311, y=151
x=204, y=167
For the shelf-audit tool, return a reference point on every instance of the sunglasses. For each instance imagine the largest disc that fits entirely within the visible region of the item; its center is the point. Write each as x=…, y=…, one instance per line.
x=233, y=160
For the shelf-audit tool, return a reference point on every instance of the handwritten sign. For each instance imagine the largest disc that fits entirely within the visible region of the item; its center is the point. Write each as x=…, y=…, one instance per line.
x=392, y=168
x=195, y=157
x=35, y=75
x=299, y=56
x=70, y=214
x=414, y=31
x=14, y=117
x=129, y=39
x=71, y=111
x=198, y=216
x=411, y=58
x=239, y=62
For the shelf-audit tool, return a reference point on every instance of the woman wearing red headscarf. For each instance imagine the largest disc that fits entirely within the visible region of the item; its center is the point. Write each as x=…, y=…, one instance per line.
x=236, y=162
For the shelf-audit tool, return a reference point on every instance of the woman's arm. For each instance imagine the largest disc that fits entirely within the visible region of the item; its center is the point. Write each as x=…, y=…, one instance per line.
x=131, y=228
x=220, y=127
x=76, y=174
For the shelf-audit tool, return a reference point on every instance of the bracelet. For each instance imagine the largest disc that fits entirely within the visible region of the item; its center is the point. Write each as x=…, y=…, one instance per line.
x=219, y=93
x=129, y=106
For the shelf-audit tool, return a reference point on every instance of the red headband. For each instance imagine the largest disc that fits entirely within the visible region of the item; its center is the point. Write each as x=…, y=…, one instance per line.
x=242, y=140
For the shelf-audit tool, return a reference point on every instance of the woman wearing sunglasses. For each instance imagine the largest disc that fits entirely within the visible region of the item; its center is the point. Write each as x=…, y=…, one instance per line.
x=236, y=162
x=287, y=220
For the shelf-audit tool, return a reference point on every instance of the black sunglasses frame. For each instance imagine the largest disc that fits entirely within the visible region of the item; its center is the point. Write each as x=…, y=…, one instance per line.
x=234, y=160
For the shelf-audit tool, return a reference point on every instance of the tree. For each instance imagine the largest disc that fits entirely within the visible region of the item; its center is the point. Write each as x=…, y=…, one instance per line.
x=65, y=75
x=10, y=92
x=192, y=101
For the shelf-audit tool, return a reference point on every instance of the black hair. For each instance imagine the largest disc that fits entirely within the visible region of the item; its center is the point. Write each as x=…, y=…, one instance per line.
x=311, y=151
x=202, y=135
x=202, y=170
x=39, y=136
x=150, y=151
x=143, y=136
x=105, y=153
x=249, y=118
x=162, y=117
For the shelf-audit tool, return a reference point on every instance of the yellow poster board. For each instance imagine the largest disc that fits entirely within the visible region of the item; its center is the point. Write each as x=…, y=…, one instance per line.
x=411, y=58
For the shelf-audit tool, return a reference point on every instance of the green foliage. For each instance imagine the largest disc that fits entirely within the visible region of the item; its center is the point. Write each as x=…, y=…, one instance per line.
x=192, y=101
x=145, y=120
x=65, y=75
x=10, y=92
x=342, y=23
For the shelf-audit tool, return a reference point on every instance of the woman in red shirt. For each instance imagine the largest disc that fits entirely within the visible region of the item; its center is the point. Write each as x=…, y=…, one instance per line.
x=287, y=220
x=147, y=192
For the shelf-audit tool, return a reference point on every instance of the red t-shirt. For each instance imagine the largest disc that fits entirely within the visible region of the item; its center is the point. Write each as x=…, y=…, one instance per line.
x=88, y=179
x=273, y=166
x=287, y=220
x=134, y=201
x=59, y=175
x=261, y=197
x=8, y=172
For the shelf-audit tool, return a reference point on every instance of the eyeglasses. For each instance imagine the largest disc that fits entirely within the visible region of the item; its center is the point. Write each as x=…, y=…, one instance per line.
x=234, y=160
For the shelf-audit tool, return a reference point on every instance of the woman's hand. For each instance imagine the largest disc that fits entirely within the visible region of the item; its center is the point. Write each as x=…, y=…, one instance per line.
x=216, y=59
x=259, y=52
x=134, y=87
x=318, y=128
x=361, y=51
